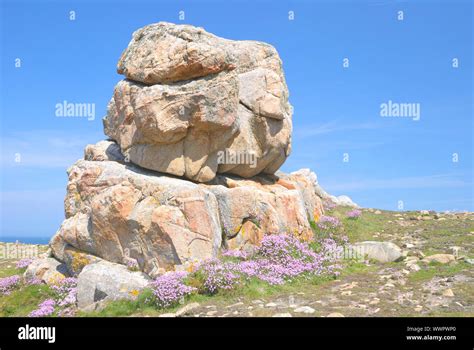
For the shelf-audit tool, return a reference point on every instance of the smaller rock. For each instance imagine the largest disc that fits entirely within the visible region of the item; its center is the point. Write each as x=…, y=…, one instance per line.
x=377, y=212
x=167, y=315
x=97, y=306
x=418, y=308
x=439, y=258
x=335, y=314
x=347, y=286
x=108, y=281
x=469, y=261
x=187, y=309
x=420, y=254
x=344, y=201
x=104, y=151
x=235, y=305
x=48, y=270
x=448, y=293
x=411, y=260
x=211, y=313
x=414, y=267
x=284, y=314
x=380, y=251
x=271, y=305
x=304, y=310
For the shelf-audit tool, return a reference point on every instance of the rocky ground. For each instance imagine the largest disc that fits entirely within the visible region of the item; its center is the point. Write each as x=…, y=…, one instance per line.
x=407, y=288
x=411, y=287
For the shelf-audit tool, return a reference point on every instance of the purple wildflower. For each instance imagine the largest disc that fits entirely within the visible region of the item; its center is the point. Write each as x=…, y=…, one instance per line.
x=132, y=265
x=7, y=284
x=328, y=222
x=63, y=302
x=23, y=263
x=33, y=281
x=234, y=253
x=329, y=204
x=66, y=292
x=218, y=275
x=46, y=308
x=169, y=288
x=279, y=258
x=354, y=214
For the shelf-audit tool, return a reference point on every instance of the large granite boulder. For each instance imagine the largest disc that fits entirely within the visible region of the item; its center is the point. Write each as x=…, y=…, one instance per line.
x=121, y=213
x=194, y=104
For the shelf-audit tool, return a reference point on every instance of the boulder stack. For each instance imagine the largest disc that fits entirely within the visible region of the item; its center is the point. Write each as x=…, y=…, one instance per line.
x=168, y=188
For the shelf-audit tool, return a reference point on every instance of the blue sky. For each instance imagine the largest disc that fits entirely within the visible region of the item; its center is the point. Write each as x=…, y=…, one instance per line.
x=336, y=109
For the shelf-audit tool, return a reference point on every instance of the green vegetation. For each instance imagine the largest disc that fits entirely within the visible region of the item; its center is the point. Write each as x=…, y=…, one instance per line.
x=8, y=271
x=438, y=270
x=21, y=302
x=436, y=236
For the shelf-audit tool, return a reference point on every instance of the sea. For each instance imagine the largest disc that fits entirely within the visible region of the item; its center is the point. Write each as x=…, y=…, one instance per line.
x=28, y=240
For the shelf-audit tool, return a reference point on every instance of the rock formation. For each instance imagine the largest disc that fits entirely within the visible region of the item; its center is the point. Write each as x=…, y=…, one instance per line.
x=190, y=96
x=120, y=212
x=155, y=196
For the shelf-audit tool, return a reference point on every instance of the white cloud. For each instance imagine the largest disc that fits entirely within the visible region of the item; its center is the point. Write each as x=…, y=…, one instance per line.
x=304, y=131
x=43, y=148
x=428, y=181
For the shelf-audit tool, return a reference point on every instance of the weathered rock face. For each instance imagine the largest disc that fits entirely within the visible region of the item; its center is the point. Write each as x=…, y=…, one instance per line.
x=342, y=200
x=120, y=212
x=192, y=100
x=248, y=209
x=193, y=107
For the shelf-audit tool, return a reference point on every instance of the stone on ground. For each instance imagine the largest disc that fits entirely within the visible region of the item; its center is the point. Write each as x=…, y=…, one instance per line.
x=48, y=270
x=108, y=281
x=439, y=258
x=381, y=251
